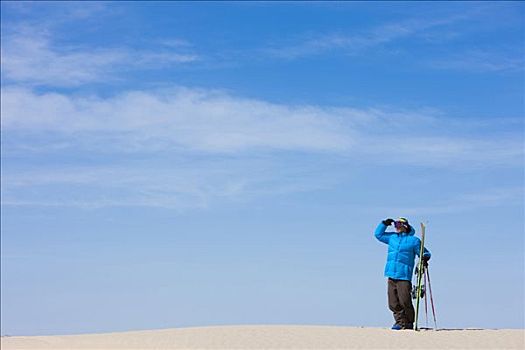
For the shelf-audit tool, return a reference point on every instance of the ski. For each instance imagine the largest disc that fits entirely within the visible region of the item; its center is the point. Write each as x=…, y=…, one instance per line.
x=420, y=273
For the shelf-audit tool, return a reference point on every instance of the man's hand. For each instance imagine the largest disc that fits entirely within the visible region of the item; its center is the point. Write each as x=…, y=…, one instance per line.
x=425, y=260
x=388, y=222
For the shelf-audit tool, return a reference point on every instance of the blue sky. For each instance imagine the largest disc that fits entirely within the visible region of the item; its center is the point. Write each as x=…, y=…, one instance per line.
x=189, y=164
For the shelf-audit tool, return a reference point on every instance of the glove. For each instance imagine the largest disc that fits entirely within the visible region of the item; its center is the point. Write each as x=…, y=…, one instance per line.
x=425, y=260
x=388, y=222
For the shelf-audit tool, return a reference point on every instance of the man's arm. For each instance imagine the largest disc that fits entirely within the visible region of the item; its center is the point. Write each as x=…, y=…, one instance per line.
x=381, y=233
x=426, y=252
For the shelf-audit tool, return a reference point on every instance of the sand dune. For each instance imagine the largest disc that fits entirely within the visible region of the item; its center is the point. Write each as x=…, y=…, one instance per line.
x=277, y=337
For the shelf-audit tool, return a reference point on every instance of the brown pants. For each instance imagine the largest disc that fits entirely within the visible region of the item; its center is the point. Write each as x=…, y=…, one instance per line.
x=400, y=302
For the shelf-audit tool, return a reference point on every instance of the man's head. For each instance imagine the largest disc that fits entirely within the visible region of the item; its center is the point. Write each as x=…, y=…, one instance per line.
x=402, y=225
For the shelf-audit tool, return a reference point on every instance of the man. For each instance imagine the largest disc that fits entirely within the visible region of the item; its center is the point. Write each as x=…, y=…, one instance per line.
x=403, y=247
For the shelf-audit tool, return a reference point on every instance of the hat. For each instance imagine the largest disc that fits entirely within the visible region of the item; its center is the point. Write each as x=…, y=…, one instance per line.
x=402, y=222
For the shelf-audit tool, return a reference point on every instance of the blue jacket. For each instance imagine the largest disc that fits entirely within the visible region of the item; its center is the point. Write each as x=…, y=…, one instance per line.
x=402, y=250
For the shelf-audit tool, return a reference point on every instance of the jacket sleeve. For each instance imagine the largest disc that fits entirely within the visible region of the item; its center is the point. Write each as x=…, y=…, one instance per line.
x=381, y=233
x=426, y=252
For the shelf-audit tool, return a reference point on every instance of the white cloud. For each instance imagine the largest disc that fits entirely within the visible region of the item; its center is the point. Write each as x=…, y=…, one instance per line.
x=436, y=31
x=486, y=198
x=481, y=61
x=214, y=122
x=354, y=43
x=174, y=42
x=181, y=184
x=192, y=119
x=58, y=12
x=201, y=145
x=442, y=151
x=30, y=57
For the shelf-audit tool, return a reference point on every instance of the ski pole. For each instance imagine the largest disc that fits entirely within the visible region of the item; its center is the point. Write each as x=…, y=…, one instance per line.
x=431, y=299
x=426, y=307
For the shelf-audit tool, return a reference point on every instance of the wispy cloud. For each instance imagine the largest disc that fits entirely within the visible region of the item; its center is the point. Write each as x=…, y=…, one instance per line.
x=185, y=183
x=481, y=61
x=174, y=42
x=32, y=58
x=200, y=120
x=220, y=146
x=57, y=12
x=214, y=122
x=355, y=43
x=464, y=202
x=390, y=37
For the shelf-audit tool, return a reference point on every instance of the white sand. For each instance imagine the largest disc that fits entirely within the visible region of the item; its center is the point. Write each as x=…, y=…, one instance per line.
x=277, y=337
